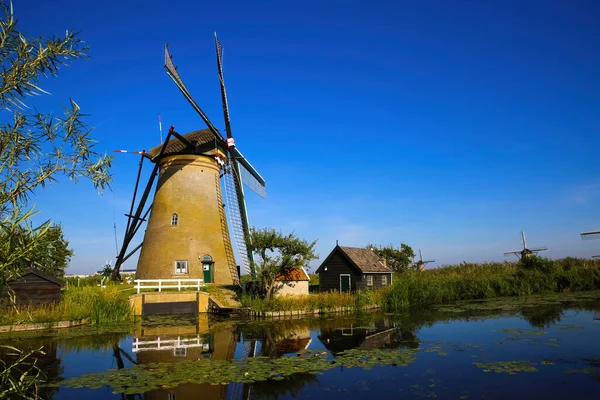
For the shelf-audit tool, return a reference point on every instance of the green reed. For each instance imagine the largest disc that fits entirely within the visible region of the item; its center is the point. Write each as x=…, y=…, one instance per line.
x=535, y=275
x=98, y=305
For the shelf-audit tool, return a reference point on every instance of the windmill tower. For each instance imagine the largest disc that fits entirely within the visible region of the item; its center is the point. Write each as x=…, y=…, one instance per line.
x=188, y=235
x=589, y=236
x=420, y=265
x=525, y=252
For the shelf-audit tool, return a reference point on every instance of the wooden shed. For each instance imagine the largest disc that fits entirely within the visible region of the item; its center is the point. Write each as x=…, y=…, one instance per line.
x=34, y=287
x=353, y=268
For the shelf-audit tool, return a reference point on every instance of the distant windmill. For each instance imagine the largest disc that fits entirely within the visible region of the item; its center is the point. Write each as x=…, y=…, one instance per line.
x=421, y=264
x=589, y=236
x=525, y=252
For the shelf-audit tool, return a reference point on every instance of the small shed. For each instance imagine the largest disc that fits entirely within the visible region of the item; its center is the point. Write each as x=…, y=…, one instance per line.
x=292, y=283
x=34, y=287
x=353, y=268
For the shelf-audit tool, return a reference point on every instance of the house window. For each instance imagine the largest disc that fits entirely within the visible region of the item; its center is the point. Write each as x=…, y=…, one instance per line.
x=369, y=280
x=181, y=267
x=384, y=280
x=180, y=352
x=171, y=396
x=174, y=219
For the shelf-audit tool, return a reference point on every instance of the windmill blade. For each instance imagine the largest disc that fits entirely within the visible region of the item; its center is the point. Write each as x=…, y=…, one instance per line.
x=219, y=53
x=239, y=157
x=251, y=182
x=538, y=248
x=506, y=253
x=235, y=208
x=428, y=261
x=590, y=235
x=172, y=72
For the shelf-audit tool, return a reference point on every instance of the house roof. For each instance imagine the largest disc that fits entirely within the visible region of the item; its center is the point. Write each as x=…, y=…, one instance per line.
x=41, y=274
x=294, y=274
x=363, y=259
x=175, y=146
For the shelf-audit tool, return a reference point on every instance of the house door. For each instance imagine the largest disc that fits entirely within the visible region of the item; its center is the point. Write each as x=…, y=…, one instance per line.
x=344, y=283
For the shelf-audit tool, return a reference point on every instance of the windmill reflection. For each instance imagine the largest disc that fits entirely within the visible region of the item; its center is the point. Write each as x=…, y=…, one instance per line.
x=172, y=344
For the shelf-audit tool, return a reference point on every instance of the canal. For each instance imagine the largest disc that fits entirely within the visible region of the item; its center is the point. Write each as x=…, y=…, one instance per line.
x=538, y=347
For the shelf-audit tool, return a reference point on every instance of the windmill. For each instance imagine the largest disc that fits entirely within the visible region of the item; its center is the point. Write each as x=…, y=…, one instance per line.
x=589, y=236
x=188, y=235
x=420, y=265
x=525, y=252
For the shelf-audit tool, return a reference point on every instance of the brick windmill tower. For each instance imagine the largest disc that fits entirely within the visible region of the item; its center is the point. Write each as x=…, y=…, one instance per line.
x=188, y=235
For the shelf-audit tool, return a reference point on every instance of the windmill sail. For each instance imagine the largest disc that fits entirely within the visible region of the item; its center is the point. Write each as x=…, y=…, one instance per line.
x=172, y=72
x=219, y=51
x=234, y=210
x=590, y=235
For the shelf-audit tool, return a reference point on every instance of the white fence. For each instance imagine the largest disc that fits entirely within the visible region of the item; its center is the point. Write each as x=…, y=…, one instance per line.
x=161, y=284
x=169, y=344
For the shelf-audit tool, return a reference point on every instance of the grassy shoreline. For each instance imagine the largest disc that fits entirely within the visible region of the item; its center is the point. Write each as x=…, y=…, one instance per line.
x=449, y=284
x=99, y=306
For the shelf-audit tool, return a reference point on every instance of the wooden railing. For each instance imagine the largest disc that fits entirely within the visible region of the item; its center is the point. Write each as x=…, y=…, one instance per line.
x=161, y=284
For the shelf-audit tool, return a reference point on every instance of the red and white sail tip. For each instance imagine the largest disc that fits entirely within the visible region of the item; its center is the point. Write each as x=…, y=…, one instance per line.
x=130, y=152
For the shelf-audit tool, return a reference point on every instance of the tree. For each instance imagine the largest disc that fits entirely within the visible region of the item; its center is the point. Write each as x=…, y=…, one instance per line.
x=54, y=255
x=276, y=253
x=37, y=148
x=50, y=254
x=397, y=259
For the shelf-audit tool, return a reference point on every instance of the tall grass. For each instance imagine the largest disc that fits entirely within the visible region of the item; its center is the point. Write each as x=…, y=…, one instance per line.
x=325, y=302
x=482, y=281
x=87, y=302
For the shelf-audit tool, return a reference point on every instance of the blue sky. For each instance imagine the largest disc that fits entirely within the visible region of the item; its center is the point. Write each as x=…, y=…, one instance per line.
x=450, y=126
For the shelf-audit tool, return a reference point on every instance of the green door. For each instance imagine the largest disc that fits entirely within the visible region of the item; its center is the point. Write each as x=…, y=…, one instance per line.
x=207, y=268
x=344, y=283
x=207, y=273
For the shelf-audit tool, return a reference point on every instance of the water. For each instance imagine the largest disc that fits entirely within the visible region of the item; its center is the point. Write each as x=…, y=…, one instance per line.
x=457, y=353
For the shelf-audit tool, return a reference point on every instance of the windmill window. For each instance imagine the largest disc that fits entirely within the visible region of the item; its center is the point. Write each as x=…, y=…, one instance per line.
x=181, y=267
x=384, y=280
x=369, y=280
x=174, y=219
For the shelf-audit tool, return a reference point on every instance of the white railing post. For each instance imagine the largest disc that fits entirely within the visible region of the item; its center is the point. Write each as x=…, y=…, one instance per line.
x=160, y=284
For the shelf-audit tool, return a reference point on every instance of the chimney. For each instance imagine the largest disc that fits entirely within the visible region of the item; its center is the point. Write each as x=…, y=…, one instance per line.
x=384, y=262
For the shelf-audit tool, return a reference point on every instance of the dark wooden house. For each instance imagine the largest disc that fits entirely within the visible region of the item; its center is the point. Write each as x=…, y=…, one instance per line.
x=34, y=287
x=353, y=268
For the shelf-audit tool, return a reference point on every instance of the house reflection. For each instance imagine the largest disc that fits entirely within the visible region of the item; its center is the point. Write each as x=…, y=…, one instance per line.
x=366, y=334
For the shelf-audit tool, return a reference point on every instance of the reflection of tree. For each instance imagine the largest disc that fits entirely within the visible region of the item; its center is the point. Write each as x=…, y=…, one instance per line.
x=291, y=385
x=543, y=317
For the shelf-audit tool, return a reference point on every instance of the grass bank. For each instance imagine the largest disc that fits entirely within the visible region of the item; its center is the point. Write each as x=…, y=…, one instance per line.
x=87, y=302
x=445, y=285
x=325, y=302
x=482, y=281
